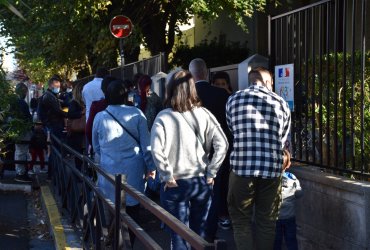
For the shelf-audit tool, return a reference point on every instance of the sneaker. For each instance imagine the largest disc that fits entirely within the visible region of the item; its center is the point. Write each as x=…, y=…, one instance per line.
x=31, y=172
x=225, y=224
x=23, y=178
x=43, y=171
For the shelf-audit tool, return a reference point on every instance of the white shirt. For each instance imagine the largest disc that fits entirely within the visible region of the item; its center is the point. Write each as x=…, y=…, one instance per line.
x=92, y=92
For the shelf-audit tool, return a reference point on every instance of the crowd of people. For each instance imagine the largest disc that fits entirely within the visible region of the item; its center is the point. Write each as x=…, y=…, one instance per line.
x=215, y=157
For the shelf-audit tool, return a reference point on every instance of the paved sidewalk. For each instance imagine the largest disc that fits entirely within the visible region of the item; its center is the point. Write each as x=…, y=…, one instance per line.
x=13, y=221
x=22, y=221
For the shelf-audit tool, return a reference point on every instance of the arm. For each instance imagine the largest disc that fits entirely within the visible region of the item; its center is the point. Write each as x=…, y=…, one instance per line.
x=299, y=192
x=144, y=140
x=54, y=106
x=228, y=116
x=158, y=142
x=89, y=123
x=95, y=137
x=220, y=146
x=287, y=122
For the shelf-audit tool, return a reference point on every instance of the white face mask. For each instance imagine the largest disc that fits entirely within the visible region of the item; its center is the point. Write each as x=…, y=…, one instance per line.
x=55, y=90
x=69, y=90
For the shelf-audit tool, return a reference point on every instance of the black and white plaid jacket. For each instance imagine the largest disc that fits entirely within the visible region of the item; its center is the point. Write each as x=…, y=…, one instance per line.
x=260, y=122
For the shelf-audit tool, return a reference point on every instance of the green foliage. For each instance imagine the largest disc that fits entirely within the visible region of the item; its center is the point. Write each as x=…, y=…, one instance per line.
x=65, y=36
x=12, y=126
x=215, y=53
x=337, y=94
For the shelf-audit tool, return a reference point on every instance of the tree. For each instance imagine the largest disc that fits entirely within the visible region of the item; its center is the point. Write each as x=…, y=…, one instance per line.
x=159, y=21
x=66, y=36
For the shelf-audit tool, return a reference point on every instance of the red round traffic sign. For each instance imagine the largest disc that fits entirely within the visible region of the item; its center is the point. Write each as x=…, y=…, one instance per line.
x=120, y=26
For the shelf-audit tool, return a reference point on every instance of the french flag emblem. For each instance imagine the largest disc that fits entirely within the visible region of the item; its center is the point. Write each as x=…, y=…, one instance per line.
x=284, y=72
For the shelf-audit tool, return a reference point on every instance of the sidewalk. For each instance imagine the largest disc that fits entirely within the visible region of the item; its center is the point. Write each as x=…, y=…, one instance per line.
x=30, y=219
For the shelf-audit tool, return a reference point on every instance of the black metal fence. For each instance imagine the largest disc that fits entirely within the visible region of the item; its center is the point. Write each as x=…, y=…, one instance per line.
x=89, y=208
x=149, y=66
x=326, y=42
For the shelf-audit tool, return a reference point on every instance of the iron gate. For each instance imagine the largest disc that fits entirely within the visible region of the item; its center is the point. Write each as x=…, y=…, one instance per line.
x=326, y=42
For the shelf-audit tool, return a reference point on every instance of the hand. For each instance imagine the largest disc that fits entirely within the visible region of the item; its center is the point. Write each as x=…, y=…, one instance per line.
x=286, y=159
x=210, y=181
x=150, y=174
x=170, y=184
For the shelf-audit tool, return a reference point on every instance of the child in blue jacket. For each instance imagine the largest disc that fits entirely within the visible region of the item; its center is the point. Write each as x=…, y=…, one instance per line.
x=286, y=225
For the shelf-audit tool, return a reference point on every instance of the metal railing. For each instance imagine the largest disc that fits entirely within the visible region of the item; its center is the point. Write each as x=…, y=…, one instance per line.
x=85, y=203
x=326, y=43
x=149, y=66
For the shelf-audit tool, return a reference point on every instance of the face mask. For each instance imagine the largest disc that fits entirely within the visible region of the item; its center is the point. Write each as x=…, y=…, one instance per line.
x=55, y=90
x=69, y=90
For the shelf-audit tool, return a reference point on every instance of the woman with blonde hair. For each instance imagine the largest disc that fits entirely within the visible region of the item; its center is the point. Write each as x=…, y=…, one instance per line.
x=181, y=140
x=76, y=122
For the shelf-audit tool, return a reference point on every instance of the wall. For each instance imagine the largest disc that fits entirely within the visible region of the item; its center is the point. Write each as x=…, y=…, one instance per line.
x=334, y=212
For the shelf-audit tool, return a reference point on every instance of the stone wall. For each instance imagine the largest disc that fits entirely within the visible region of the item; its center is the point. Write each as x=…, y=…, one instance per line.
x=334, y=212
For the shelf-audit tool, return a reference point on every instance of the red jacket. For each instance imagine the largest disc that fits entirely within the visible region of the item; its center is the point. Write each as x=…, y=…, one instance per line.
x=95, y=108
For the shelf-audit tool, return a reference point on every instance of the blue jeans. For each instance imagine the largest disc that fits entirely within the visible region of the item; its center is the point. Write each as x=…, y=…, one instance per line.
x=287, y=229
x=189, y=202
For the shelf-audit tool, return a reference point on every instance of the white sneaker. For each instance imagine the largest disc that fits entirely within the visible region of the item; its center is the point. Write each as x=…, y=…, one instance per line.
x=31, y=172
x=43, y=171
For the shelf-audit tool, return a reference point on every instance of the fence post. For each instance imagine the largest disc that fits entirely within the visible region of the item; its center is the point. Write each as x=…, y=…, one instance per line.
x=124, y=227
x=117, y=210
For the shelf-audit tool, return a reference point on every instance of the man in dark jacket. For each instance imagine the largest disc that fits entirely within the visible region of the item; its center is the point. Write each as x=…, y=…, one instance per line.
x=22, y=112
x=214, y=99
x=51, y=108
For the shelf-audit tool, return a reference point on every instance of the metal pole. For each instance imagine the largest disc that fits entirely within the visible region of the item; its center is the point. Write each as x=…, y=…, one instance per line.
x=117, y=202
x=122, y=58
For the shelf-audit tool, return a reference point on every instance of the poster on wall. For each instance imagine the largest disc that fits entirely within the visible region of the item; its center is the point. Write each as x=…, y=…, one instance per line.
x=284, y=83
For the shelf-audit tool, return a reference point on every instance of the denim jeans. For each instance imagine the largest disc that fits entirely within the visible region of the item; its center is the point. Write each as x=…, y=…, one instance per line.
x=189, y=202
x=286, y=229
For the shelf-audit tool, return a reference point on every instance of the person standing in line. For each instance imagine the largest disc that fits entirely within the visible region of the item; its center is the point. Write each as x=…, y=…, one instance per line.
x=260, y=122
x=22, y=112
x=52, y=114
x=181, y=139
x=38, y=146
x=92, y=90
x=221, y=79
x=286, y=224
x=76, y=110
x=214, y=99
x=151, y=104
x=121, y=142
x=98, y=106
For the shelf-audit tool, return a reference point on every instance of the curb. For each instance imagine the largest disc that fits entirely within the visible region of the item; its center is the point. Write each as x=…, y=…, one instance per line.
x=57, y=227
x=15, y=187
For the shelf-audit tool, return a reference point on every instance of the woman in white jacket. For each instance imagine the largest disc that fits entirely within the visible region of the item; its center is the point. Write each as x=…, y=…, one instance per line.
x=181, y=140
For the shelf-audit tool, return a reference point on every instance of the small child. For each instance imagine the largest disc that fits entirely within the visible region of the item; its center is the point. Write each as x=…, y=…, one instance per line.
x=286, y=225
x=38, y=145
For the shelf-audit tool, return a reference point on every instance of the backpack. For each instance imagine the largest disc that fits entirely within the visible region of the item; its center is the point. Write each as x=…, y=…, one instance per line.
x=41, y=113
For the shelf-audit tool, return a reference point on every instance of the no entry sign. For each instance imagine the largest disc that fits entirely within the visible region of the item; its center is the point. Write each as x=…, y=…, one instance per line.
x=120, y=26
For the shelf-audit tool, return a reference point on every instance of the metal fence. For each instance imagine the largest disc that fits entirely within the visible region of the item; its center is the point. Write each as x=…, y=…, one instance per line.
x=326, y=42
x=86, y=204
x=149, y=66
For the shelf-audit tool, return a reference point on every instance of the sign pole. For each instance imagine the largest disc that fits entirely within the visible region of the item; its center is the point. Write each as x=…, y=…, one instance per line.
x=121, y=27
x=122, y=54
